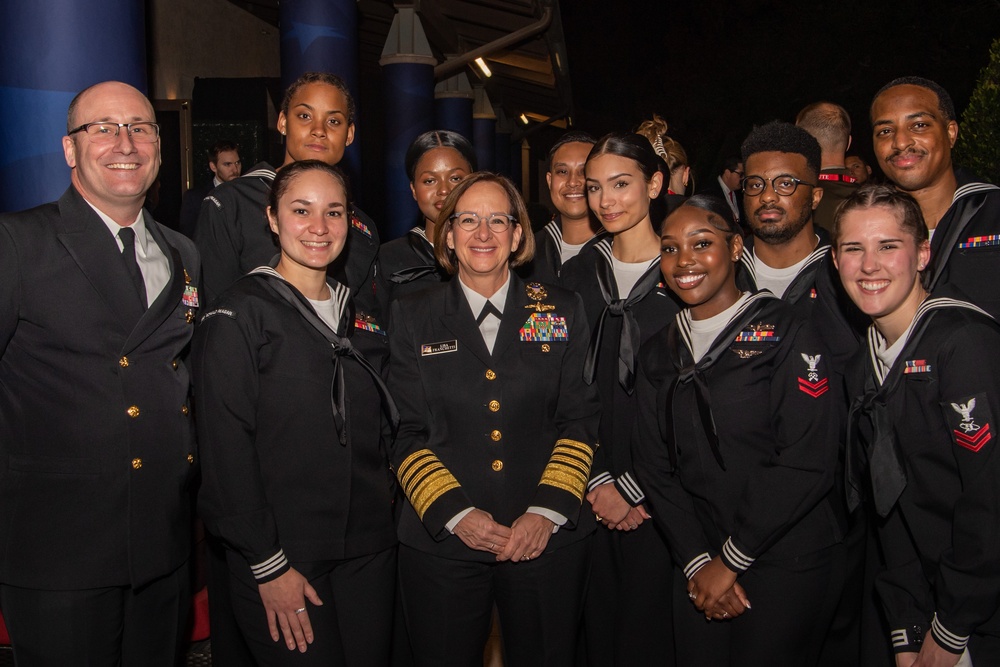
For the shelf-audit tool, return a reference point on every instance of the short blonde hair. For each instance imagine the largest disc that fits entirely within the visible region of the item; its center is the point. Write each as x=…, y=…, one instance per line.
x=525, y=249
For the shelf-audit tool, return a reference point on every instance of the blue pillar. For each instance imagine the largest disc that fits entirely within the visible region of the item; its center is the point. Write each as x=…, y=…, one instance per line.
x=453, y=105
x=49, y=51
x=408, y=88
x=322, y=36
x=484, y=123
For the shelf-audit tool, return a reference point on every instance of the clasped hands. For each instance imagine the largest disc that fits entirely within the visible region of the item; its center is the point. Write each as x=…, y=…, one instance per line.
x=525, y=540
x=612, y=510
x=714, y=591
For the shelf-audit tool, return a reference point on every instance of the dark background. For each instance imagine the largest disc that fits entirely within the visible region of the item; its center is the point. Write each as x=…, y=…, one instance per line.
x=715, y=69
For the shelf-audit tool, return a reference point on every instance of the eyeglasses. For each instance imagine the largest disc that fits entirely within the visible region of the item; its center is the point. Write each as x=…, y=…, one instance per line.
x=784, y=185
x=144, y=132
x=470, y=222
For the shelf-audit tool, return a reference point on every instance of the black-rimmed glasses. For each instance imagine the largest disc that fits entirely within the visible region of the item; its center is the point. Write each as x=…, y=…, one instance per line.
x=783, y=184
x=143, y=132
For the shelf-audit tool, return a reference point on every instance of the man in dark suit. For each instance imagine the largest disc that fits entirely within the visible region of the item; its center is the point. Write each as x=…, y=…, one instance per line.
x=97, y=304
x=727, y=187
x=224, y=161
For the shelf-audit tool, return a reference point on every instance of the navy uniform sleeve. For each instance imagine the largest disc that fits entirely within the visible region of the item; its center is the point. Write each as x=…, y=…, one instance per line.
x=219, y=243
x=902, y=586
x=10, y=288
x=232, y=500
x=966, y=584
x=670, y=504
x=800, y=471
x=433, y=491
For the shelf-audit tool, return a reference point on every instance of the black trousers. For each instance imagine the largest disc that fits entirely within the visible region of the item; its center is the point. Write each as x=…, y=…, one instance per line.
x=793, y=601
x=353, y=627
x=448, y=606
x=628, y=612
x=100, y=627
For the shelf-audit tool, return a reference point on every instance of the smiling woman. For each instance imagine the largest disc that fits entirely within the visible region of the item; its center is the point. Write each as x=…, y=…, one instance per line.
x=496, y=438
x=924, y=392
x=740, y=480
x=295, y=474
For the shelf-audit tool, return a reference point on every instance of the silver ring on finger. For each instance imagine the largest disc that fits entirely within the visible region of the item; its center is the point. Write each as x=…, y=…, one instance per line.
x=492, y=544
x=725, y=614
x=692, y=596
x=299, y=611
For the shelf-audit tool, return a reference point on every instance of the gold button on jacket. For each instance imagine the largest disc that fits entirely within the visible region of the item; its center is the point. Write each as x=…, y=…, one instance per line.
x=494, y=406
x=497, y=465
x=490, y=375
x=123, y=362
x=136, y=464
x=133, y=411
x=496, y=435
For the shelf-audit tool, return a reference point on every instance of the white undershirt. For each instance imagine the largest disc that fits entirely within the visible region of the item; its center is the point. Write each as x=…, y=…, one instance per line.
x=776, y=280
x=327, y=311
x=568, y=251
x=152, y=261
x=491, y=325
x=704, y=332
x=627, y=274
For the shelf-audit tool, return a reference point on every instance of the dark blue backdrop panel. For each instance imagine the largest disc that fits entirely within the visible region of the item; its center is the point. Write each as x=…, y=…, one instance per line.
x=409, y=94
x=49, y=51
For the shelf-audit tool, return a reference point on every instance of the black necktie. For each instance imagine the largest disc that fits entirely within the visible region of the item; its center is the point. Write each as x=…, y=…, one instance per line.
x=127, y=236
x=488, y=309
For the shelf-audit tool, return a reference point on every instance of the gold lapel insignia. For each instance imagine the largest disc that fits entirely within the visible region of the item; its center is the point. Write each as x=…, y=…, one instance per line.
x=536, y=293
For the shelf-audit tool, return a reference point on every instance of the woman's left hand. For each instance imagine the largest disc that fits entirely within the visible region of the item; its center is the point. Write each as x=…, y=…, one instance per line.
x=529, y=536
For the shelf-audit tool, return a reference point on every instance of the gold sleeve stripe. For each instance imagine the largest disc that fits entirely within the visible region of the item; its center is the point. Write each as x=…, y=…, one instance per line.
x=425, y=479
x=569, y=467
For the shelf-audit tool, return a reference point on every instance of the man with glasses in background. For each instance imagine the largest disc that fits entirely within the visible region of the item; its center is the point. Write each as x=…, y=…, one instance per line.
x=790, y=256
x=97, y=306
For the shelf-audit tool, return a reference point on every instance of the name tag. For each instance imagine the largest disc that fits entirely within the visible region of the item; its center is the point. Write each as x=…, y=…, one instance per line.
x=430, y=349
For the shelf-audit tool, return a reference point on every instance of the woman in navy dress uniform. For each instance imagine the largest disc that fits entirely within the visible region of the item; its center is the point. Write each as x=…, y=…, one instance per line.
x=619, y=280
x=436, y=162
x=495, y=443
x=296, y=477
x=922, y=445
x=736, y=450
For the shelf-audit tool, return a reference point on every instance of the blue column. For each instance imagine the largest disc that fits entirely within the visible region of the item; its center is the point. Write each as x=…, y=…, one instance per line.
x=408, y=88
x=49, y=51
x=484, y=123
x=322, y=36
x=453, y=105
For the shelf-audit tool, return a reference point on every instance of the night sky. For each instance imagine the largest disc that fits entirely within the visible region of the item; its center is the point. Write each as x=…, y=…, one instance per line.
x=714, y=69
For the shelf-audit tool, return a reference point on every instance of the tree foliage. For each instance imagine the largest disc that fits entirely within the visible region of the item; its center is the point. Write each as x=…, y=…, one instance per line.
x=978, y=147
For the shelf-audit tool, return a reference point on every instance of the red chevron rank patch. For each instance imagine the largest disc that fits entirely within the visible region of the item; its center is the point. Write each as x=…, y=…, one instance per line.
x=814, y=389
x=813, y=384
x=974, y=442
x=969, y=418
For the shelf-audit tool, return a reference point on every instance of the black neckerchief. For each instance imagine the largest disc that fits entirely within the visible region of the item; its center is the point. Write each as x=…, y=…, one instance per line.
x=803, y=281
x=690, y=371
x=628, y=342
x=882, y=457
x=340, y=346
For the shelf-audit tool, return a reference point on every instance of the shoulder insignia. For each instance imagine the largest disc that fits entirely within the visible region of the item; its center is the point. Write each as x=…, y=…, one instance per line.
x=917, y=366
x=969, y=422
x=812, y=384
x=544, y=327
x=218, y=204
x=980, y=241
x=360, y=226
x=219, y=311
x=367, y=323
